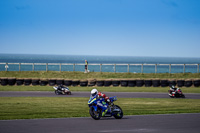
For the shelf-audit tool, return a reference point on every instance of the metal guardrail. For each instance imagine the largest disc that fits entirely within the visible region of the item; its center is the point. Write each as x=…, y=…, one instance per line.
x=100, y=66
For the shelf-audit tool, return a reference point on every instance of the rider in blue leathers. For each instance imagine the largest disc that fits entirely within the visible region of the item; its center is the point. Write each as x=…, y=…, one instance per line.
x=95, y=92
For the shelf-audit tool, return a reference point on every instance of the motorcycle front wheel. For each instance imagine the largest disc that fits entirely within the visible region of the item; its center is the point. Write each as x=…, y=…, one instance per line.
x=95, y=114
x=69, y=93
x=119, y=114
x=183, y=96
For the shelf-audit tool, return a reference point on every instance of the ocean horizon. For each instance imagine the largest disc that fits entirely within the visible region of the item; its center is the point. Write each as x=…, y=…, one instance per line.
x=40, y=58
x=80, y=59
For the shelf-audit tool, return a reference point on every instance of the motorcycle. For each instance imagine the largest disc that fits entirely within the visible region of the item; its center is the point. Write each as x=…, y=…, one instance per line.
x=98, y=106
x=177, y=93
x=62, y=90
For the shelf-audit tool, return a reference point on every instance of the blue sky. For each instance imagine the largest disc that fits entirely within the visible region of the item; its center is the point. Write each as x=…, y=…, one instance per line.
x=166, y=28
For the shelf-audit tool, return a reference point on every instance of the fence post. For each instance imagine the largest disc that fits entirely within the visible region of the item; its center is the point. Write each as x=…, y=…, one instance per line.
x=46, y=67
x=19, y=67
x=197, y=68
x=33, y=67
x=100, y=67
x=184, y=68
x=115, y=68
x=128, y=68
x=142, y=68
x=73, y=67
x=155, y=68
x=169, y=68
x=60, y=67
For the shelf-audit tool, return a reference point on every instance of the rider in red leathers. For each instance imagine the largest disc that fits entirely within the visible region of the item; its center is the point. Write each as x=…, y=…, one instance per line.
x=94, y=92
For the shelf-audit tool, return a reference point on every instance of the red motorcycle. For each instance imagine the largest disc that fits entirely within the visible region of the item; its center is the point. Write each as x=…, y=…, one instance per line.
x=177, y=93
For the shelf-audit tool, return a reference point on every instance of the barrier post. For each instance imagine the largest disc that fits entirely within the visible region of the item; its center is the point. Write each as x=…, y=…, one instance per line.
x=142, y=68
x=100, y=67
x=19, y=67
x=46, y=67
x=33, y=67
x=73, y=67
x=197, y=68
x=184, y=68
x=115, y=68
x=170, y=68
x=60, y=67
x=128, y=68
x=155, y=68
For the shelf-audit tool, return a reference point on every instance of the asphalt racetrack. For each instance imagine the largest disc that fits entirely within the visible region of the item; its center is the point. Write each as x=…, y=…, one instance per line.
x=172, y=123
x=87, y=94
x=167, y=123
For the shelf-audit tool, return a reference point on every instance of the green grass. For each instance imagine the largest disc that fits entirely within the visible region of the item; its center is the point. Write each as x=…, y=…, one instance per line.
x=103, y=89
x=62, y=107
x=95, y=75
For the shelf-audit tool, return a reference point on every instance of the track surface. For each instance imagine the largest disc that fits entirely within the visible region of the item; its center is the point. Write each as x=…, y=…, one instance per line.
x=87, y=94
x=179, y=123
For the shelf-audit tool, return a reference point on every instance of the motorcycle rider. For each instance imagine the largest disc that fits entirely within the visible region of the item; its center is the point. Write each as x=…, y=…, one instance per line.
x=60, y=88
x=173, y=89
x=95, y=92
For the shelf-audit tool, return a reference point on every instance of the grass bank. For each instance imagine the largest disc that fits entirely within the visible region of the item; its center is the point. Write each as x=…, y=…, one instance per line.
x=60, y=107
x=102, y=89
x=95, y=75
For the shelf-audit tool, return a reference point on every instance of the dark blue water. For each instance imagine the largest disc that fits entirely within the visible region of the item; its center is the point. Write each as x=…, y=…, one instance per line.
x=29, y=58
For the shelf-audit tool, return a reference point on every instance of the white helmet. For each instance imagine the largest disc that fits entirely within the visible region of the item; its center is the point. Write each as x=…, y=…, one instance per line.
x=94, y=92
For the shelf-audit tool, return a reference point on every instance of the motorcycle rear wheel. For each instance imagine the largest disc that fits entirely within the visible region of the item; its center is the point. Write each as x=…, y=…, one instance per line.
x=56, y=92
x=118, y=115
x=95, y=114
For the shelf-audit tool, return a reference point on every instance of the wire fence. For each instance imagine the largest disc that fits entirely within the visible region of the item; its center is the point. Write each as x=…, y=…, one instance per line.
x=124, y=68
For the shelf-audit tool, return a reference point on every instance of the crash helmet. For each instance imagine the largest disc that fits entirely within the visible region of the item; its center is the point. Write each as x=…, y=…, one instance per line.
x=94, y=92
x=173, y=86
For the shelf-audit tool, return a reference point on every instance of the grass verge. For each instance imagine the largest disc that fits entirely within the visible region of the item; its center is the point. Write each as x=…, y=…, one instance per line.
x=60, y=107
x=103, y=89
x=95, y=75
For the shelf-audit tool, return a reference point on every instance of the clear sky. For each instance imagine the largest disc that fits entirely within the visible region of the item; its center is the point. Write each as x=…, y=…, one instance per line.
x=167, y=28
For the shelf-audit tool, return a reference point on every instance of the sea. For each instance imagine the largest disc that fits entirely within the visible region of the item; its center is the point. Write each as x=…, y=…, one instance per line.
x=137, y=64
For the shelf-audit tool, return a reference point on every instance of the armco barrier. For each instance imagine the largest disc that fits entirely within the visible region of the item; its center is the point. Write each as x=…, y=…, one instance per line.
x=101, y=82
x=158, y=68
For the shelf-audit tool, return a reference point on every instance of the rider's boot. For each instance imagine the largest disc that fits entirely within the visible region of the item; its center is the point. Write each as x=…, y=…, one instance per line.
x=103, y=113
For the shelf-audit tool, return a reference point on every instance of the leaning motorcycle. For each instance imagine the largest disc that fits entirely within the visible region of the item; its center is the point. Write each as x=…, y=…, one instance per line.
x=176, y=94
x=98, y=106
x=62, y=91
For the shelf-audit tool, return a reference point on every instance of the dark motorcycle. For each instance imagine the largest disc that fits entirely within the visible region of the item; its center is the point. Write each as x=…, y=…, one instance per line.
x=176, y=93
x=61, y=90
